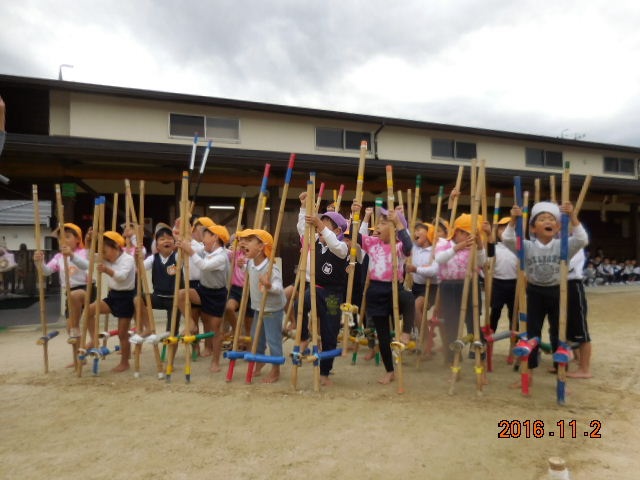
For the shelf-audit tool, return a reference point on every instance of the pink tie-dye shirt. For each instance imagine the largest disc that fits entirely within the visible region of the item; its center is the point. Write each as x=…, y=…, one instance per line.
x=456, y=267
x=380, y=262
x=453, y=266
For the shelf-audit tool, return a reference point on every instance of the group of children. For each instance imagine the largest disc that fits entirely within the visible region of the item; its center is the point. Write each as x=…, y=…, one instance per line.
x=439, y=252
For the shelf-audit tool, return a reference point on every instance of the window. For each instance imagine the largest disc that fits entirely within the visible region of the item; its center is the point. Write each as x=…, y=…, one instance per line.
x=536, y=157
x=452, y=149
x=622, y=166
x=340, y=139
x=185, y=125
x=223, y=128
x=217, y=128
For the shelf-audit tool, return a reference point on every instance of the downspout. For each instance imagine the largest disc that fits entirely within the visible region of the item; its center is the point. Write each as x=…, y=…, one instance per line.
x=375, y=140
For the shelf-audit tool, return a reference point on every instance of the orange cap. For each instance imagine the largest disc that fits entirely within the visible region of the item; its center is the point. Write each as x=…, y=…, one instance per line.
x=220, y=231
x=262, y=235
x=116, y=237
x=77, y=230
x=463, y=222
x=206, y=222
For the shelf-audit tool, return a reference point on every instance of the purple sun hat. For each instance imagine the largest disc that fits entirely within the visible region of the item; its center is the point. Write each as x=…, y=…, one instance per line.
x=385, y=212
x=339, y=221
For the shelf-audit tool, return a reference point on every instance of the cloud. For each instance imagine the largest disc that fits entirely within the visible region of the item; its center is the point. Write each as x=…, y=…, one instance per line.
x=529, y=66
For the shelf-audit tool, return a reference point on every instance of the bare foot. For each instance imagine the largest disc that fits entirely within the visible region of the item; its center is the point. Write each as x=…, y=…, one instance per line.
x=518, y=383
x=206, y=353
x=387, y=378
x=579, y=374
x=370, y=355
x=71, y=365
x=121, y=367
x=325, y=381
x=552, y=370
x=405, y=338
x=215, y=368
x=258, y=370
x=271, y=378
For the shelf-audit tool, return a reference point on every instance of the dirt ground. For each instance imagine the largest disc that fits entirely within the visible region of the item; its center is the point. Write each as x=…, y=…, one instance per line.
x=59, y=426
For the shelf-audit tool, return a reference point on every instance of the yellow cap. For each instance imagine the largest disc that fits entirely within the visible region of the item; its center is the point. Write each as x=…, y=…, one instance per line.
x=463, y=222
x=206, y=222
x=116, y=237
x=220, y=231
x=262, y=235
x=77, y=230
x=504, y=221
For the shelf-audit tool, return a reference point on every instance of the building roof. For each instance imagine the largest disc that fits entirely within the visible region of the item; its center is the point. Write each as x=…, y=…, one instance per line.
x=63, y=85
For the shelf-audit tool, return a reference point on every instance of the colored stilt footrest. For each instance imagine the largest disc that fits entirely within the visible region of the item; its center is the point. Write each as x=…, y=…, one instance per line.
x=296, y=356
x=45, y=338
x=234, y=355
x=458, y=345
x=496, y=337
x=545, y=347
x=524, y=347
x=259, y=358
x=563, y=354
x=156, y=338
x=323, y=355
x=136, y=339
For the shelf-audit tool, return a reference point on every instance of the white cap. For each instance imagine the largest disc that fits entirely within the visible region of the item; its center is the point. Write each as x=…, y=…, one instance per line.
x=548, y=207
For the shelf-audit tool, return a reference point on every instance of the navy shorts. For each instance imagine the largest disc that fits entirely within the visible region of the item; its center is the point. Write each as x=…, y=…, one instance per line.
x=121, y=303
x=419, y=289
x=236, y=294
x=212, y=300
x=194, y=284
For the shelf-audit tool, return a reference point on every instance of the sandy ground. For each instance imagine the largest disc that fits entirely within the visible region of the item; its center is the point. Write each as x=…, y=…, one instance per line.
x=58, y=426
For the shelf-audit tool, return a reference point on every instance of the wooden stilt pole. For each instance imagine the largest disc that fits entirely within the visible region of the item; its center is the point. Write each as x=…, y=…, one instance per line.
x=172, y=340
x=73, y=340
x=84, y=323
x=459, y=343
x=478, y=200
x=296, y=355
x=427, y=329
x=488, y=284
x=563, y=354
x=44, y=340
x=397, y=322
x=348, y=310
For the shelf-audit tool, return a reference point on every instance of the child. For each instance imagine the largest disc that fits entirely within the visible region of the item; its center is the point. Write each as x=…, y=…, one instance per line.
x=73, y=249
x=120, y=268
x=379, y=295
x=542, y=254
x=235, y=293
x=505, y=275
x=330, y=277
x=577, y=327
x=423, y=268
x=258, y=245
x=453, y=257
x=211, y=293
x=163, y=272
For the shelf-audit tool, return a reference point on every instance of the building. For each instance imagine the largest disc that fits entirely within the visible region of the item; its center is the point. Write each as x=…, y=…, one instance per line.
x=91, y=137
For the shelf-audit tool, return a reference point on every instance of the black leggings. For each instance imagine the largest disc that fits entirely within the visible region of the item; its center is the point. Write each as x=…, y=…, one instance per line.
x=383, y=331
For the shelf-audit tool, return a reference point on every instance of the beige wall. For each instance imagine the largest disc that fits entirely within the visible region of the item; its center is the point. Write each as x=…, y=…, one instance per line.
x=119, y=118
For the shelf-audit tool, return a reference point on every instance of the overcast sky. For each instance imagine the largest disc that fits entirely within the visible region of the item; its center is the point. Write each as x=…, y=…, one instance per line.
x=557, y=68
